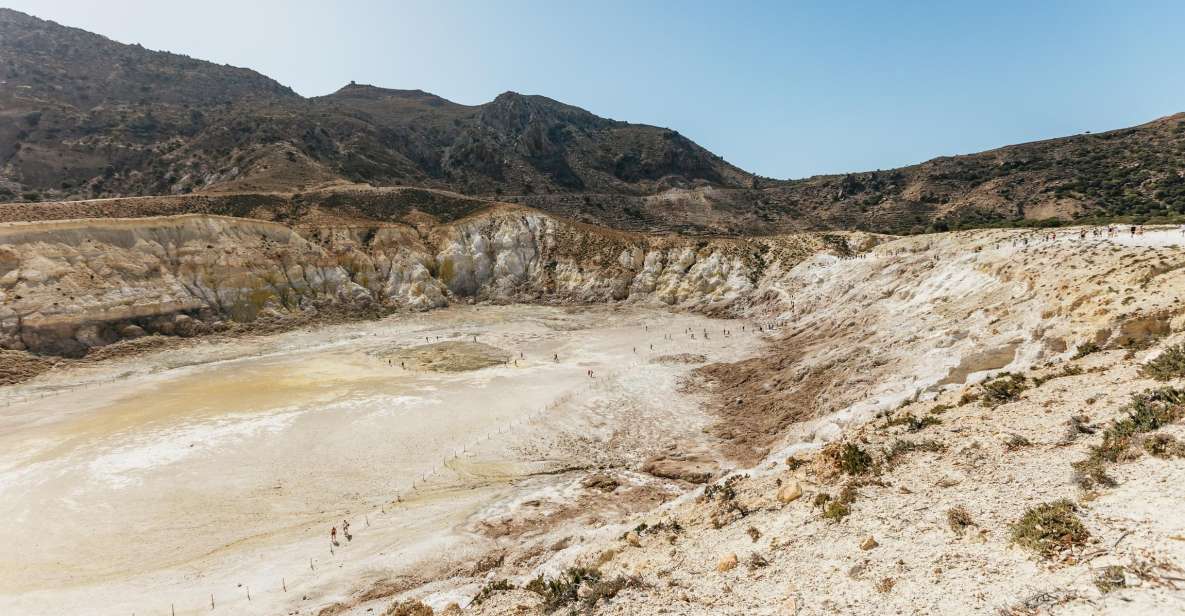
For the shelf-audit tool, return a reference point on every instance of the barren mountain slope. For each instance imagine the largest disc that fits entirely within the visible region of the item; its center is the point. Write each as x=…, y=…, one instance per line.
x=82, y=117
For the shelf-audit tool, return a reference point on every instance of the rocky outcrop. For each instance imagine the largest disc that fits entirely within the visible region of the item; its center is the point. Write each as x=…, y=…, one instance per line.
x=71, y=285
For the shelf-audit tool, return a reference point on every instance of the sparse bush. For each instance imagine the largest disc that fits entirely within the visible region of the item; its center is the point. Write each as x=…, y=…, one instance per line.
x=753, y=533
x=1016, y=441
x=1004, y=388
x=836, y=509
x=1164, y=446
x=1147, y=412
x=563, y=589
x=605, y=590
x=1050, y=529
x=853, y=460
x=1067, y=371
x=490, y=588
x=1110, y=578
x=1085, y=349
x=959, y=519
x=1170, y=364
x=901, y=447
x=756, y=561
x=408, y=608
x=914, y=424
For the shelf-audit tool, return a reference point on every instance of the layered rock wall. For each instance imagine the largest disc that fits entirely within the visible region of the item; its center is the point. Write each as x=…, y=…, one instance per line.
x=67, y=286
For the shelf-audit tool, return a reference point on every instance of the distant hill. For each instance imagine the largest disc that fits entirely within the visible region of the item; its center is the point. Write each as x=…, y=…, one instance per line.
x=83, y=117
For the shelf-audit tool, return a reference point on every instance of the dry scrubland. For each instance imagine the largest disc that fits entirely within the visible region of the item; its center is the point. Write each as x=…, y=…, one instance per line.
x=946, y=423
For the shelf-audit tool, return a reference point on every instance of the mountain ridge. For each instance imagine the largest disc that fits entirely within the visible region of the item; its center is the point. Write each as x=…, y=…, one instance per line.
x=82, y=117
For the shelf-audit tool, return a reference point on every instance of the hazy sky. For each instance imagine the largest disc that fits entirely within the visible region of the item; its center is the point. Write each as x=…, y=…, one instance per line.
x=785, y=89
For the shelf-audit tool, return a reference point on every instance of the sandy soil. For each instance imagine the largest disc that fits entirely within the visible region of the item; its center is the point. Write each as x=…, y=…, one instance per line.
x=214, y=472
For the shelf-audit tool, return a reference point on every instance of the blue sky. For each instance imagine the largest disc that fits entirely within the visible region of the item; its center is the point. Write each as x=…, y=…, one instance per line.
x=784, y=89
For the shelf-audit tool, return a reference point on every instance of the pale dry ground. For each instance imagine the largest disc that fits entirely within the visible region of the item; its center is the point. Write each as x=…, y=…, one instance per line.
x=154, y=482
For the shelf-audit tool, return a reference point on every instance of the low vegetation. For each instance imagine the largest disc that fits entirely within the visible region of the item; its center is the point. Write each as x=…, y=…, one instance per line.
x=900, y=448
x=1050, y=529
x=840, y=507
x=1085, y=349
x=851, y=459
x=1147, y=412
x=1170, y=364
x=959, y=519
x=408, y=608
x=490, y=589
x=1003, y=389
x=564, y=590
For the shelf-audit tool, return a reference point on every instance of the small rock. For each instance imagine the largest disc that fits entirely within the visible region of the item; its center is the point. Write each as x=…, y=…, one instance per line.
x=727, y=563
x=601, y=482
x=633, y=539
x=789, y=492
x=868, y=543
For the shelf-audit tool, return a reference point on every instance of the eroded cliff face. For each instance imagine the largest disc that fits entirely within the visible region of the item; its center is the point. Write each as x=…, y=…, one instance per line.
x=68, y=286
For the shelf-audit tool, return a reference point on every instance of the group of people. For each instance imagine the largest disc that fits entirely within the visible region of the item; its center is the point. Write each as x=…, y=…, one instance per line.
x=345, y=533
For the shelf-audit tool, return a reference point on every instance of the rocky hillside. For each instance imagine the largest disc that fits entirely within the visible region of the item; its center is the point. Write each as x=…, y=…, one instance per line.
x=84, y=117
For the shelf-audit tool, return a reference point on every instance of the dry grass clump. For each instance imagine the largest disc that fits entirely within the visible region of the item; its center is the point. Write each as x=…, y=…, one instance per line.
x=1164, y=446
x=840, y=507
x=408, y=608
x=756, y=561
x=885, y=585
x=1170, y=364
x=1086, y=349
x=1147, y=412
x=959, y=519
x=1110, y=578
x=914, y=424
x=490, y=588
x=1050, y=529
x=1065, y=372
x=1016, y=441
x=1002, y=389
x=901, y=447
x=563, y=589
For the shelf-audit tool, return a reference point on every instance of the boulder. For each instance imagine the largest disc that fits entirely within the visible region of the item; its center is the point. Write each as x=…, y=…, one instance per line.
x=789, y=492
x=132, y=331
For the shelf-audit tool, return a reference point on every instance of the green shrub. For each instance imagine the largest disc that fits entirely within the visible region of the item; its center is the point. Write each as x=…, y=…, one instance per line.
x=1050, y=529
x=1147, y=412
x=840, y=507
x=853, y=460
x=1085, y=349
x=490, y=588
x=562, y=590
x=1170, y=364
x=1004, y=388
x=901, y=447
x=1164, y=446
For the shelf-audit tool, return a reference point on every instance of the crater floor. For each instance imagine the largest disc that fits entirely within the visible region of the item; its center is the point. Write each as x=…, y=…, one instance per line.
x=215, y=472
